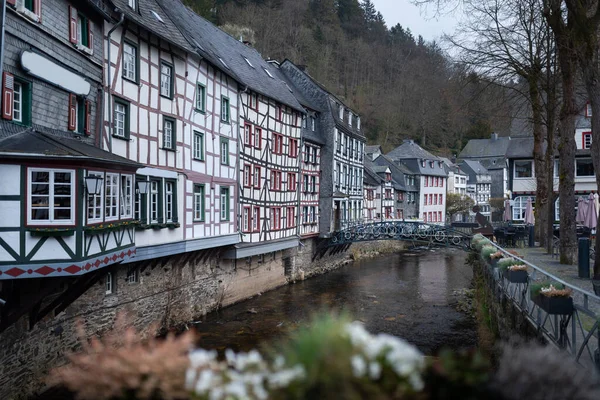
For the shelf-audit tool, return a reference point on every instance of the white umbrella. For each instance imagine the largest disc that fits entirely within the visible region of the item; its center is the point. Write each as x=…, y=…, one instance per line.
x=507, y=216
x=529, y=218
x=581, y=209
x=591, y=216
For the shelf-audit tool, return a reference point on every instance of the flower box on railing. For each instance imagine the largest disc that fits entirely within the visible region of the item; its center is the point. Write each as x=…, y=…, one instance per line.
x=109, y=227
x=554, y=305
x=51, y=232
x=517, y=276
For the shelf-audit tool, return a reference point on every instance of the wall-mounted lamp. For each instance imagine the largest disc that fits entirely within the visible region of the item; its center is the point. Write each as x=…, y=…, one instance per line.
x=142, y=186
x=93, y=184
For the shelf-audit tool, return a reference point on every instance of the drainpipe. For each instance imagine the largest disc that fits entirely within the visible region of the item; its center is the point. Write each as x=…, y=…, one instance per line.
x=2, y=37
x=110, y=116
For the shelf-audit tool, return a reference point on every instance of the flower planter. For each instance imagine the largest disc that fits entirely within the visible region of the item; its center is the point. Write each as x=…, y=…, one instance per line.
x=53, y=233
x=554, y=305
x=518, y=276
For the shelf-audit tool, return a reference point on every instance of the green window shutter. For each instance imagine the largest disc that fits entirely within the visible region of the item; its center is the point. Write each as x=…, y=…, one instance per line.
x=175, y=219
x=161, y=200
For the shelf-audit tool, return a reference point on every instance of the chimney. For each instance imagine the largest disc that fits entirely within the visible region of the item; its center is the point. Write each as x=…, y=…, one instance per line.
x=247, y=43
x=409, y=141
x=494, y=136
x=302, y=67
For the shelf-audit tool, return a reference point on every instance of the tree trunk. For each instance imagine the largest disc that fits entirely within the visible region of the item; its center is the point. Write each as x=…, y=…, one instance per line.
x=566, y=151
x=539, y=157
x=550, y=129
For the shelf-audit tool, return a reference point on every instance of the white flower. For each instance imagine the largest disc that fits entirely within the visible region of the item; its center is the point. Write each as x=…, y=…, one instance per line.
x=206, y=381
x=201, y=357
x=359, y=366
x=237, y=389
x=190, y=378
x=374, y=371
x=279, y=362
x=284, y=377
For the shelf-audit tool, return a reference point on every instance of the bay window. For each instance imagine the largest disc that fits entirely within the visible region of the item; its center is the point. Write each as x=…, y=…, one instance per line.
x=51, y=197
x=584, y=167
x=523, y=169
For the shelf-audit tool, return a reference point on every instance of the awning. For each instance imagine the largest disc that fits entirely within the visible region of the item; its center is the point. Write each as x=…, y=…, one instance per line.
x=243, y=250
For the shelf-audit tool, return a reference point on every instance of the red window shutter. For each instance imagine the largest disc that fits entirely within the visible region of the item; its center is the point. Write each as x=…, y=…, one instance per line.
x=72, y=24
x=8, y=85
x=72, y=112
x=91, y=36
x=37, y=9
x=88, y=117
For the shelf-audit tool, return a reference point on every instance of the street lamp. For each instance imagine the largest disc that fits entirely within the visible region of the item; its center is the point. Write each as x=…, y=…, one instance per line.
x=93, y=184
x=142, y=186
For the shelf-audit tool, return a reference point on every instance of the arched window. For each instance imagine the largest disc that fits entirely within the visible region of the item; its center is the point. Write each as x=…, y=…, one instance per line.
x=520, y=203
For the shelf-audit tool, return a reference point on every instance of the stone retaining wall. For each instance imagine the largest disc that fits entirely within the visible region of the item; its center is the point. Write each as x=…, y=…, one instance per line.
x=171, y=291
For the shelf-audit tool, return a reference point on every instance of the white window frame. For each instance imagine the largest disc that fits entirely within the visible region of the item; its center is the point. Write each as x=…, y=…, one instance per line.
x=166, y=79
x=585, y=143
x=111, y=196
x=17, y=101
x=133, y=275
x=255, y=218
x=51, y=185
x=200, y=97
x=129, y=61
x=168, y=128
x=126, y=196
x=170, y=201
x=120, y=112
x=225, y=109
x=224, y=208
x=154, y=201
x=246, y=219
x=109, y=283
x=94, y=198
x=199, y=199
x=519, y=207
x=198, y=146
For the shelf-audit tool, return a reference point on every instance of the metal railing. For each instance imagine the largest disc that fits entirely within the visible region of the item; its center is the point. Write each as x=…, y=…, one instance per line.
x=413, y=231
x=577, y=333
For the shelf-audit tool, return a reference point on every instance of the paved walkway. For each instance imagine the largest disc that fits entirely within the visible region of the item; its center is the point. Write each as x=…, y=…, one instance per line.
x=569, y=273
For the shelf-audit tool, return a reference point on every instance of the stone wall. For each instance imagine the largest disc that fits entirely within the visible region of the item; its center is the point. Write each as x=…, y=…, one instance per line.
x=170, y=292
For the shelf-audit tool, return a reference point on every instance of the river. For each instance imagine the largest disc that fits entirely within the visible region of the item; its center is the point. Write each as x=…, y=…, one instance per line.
x=410, y=295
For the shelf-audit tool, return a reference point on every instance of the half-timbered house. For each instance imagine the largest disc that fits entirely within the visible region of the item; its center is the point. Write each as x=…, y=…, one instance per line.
x=269, y=118
x=371, y=190
x=173, y=110
x=341, y=193
x=66, y=206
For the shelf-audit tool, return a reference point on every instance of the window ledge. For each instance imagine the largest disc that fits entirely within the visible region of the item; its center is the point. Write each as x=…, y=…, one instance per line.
x=108, y=227
x=166, y=97
x=134, y=81
x=28, y=14
x=198, y=159
x=84, y=49
x=155, y=226
x=121, y=138
x=198, y=110
x=168, y=149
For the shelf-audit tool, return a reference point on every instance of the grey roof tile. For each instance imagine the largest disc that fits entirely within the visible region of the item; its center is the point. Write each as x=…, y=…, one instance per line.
x=409, y=149
x=233, y=57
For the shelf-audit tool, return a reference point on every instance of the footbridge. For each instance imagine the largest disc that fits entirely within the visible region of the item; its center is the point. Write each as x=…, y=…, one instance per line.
x=418, y=233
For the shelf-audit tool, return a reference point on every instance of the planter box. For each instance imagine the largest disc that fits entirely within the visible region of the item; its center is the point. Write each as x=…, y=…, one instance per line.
x=65, y=232
x=516, y=276
x=554, y=305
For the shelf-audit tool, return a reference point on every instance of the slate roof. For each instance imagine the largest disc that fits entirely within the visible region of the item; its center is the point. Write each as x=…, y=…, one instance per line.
x=520, y=147
x=216, y=45
x=409, y=149
x=144, y=17
x=373, y=149
x=474, y=166
x=483, y=148
x=371, y=178
x=37, y=144
x=398, y=173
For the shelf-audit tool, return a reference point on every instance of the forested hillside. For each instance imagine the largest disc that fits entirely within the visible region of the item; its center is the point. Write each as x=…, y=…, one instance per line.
x=403, y=86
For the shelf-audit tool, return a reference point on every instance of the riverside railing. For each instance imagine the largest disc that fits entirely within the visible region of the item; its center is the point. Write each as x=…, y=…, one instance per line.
x=578, y=333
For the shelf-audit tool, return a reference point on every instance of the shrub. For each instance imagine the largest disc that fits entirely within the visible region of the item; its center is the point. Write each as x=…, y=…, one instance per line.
x=487, y=251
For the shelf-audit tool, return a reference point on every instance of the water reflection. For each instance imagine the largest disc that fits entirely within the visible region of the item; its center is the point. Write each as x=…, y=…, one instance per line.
x=408, y=295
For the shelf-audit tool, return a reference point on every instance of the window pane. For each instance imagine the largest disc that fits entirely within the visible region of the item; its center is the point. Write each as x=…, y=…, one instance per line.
x=523, y=169
x=584, y=167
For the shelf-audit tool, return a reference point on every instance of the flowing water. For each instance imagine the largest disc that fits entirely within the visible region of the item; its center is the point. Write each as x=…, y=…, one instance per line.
x=410, y=295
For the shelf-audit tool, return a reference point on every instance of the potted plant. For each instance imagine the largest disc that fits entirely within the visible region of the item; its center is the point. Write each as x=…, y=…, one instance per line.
x=513, y=270
x=487, y=251
x=478, y=241
x=553, y=298
x=496, y=257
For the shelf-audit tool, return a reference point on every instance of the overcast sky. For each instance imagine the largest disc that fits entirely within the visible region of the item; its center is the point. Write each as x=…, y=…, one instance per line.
x=421, y=21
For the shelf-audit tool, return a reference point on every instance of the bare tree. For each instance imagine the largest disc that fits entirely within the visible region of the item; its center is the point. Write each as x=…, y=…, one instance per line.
x=508, y=40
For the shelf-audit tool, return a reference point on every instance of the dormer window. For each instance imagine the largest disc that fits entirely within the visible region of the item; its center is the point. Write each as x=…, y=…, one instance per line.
x=223, y=62
x=341, y=110
x=388, y=176
x=132, y=4
x=588, y=110
x=350, y=118
x=430, y=164
x=358, y=123
x=423, y=163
